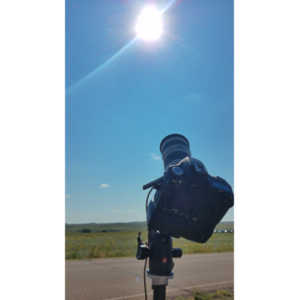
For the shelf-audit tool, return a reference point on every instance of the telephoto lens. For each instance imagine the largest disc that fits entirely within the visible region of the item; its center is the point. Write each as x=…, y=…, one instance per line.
x=188, y=202
x=173, y=148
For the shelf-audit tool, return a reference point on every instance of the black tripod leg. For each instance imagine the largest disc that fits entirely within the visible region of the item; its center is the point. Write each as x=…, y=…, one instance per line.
x=159, y=292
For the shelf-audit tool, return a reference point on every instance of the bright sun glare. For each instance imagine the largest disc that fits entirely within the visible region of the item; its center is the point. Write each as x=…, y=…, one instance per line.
x=149, y=24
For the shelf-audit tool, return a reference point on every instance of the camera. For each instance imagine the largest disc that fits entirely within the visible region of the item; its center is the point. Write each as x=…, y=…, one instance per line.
x=188, y=202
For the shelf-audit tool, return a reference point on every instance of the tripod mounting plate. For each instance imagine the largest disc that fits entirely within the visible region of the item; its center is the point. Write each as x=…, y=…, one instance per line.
x=160, y=280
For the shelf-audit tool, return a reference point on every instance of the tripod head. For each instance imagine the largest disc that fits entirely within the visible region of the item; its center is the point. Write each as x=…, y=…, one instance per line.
x=160, y=252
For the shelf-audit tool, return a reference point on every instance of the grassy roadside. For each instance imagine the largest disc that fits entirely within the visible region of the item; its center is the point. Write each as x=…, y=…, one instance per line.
x=123, y=244
x=221, y=294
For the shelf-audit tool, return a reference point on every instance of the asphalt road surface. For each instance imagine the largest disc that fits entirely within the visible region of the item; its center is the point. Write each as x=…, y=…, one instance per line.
x=122, y=278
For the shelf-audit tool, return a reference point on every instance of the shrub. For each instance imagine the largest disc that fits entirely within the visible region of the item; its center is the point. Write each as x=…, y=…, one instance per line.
x=85, y=230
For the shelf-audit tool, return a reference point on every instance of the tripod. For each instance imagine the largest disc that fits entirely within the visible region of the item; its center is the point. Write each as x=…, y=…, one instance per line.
x=160, y=253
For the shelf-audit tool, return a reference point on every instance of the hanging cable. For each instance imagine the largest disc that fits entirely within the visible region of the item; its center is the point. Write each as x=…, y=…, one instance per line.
x=145, y=282
x=146, y=260
x=148, y=198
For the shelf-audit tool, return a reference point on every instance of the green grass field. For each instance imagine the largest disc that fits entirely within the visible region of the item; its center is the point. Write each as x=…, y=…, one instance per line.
x=222, y=294
x=119, y=239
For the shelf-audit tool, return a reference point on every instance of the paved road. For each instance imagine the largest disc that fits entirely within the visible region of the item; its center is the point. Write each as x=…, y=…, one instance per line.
x=122, y=278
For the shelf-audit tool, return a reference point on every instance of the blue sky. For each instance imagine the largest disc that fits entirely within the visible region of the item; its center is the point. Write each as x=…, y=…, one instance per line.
x=122, y=103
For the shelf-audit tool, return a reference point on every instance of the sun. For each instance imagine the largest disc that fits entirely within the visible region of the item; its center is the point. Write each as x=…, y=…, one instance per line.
x=149, y=26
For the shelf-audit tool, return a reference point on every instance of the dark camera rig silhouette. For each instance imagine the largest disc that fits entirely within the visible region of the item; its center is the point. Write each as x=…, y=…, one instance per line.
x=188, y=202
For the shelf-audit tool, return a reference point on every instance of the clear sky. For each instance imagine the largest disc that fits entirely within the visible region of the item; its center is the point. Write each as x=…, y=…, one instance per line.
x=126, y=95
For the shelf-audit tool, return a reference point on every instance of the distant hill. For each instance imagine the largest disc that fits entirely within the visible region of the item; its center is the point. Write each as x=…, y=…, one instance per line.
x=118, y=227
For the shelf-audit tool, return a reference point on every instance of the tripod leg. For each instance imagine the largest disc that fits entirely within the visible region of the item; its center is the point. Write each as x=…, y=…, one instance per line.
x=159, y=292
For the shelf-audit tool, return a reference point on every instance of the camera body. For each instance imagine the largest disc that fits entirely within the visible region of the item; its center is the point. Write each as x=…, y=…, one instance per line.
x=188, y=202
